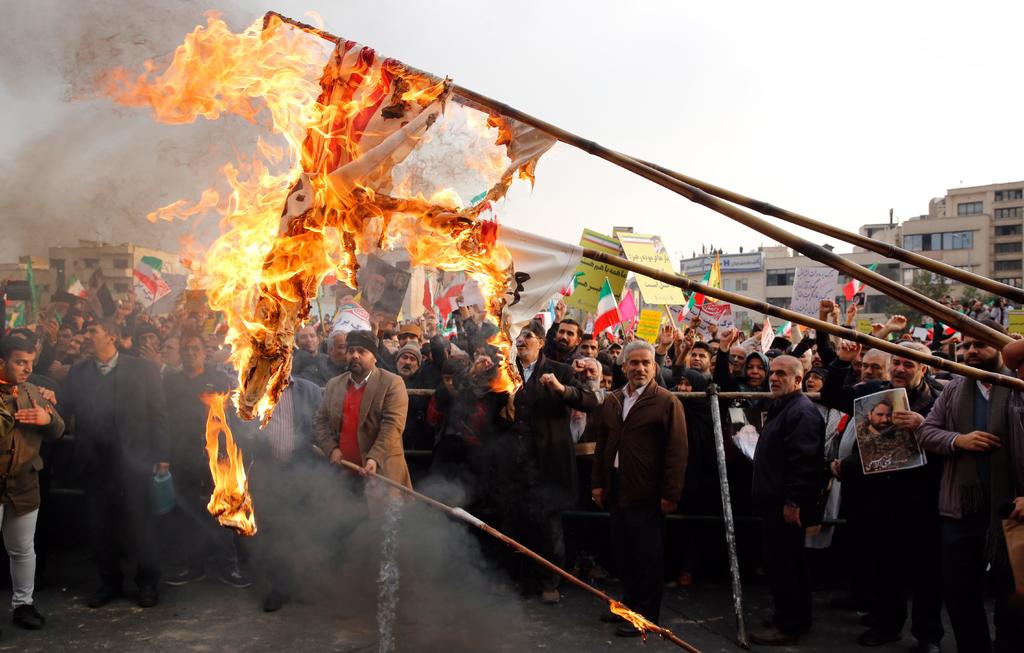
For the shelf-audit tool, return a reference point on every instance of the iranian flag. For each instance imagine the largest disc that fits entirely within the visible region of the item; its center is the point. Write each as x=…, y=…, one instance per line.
x=607, y=309
x=149, y=285
x=856, y=285
x=77, y=289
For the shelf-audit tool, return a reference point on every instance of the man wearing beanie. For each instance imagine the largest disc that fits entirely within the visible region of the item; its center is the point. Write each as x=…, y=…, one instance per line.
x=419, y=433
x=363, y=414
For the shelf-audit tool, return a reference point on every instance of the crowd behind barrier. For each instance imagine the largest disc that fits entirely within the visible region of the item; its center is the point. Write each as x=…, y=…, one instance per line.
x=846, y=468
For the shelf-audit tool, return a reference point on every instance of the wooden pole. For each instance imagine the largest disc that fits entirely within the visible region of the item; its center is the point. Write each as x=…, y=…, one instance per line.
x=644, y=625
x=800, y=318
x=811, y=250
x=885, y=249
x=816, y=252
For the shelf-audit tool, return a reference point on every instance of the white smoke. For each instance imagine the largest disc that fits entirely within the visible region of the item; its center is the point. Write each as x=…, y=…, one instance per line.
x=75, y=165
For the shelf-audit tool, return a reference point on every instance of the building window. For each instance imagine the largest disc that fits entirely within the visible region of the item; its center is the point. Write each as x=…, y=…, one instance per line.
x=781, y=302
x=1008, y=248
x=780, y=277
x=935, y=242
x=121, y=287
x=910, y=275
x=1007, y=195
x=1009, y=230
x=1010, y=212
x=1016, y=282
x=121, y=263
x=969, y=208
x=738, y=285
x=958, y=240
x=91, y=263
x=1007, y=266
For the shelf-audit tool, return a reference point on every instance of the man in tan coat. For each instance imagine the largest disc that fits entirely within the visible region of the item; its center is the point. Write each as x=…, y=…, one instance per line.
x=363, y=414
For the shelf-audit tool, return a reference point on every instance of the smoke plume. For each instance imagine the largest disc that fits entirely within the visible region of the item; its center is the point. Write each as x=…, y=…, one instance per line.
x=76, y=166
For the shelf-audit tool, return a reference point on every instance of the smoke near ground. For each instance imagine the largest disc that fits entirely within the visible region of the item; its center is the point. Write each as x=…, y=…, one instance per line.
x=84, y=168
x=426, y=572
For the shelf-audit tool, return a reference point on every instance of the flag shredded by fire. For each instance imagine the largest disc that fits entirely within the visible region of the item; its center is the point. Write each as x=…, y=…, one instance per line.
x=344, y=183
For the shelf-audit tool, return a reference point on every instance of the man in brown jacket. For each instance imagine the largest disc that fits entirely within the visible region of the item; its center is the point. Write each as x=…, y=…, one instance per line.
x=35, y=420
x=362, y=415
x=639, y=467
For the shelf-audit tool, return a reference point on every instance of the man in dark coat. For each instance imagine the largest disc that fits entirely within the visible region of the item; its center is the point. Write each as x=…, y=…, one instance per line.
x=116, y=403
x=899, y=510
x=196, y=532
x=542, y=455
x=786, y=487
x=639, y=469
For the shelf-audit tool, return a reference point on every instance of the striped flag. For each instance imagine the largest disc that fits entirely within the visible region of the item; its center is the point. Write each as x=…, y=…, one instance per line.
x=607, y=310
x=712, y=278
x=856, y=285
x=149, y=285
x=77, y=289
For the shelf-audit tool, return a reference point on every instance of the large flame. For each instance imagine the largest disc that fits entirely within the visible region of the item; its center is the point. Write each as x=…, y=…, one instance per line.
x=230, y=502
x=296, y=212
x=290, y=217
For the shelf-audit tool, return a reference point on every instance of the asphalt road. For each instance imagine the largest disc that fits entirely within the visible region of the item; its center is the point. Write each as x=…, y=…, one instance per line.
x=493, y=616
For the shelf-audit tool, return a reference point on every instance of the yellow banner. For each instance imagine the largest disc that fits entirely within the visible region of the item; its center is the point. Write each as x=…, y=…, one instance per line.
x=864, y=326
x=1016, y=322
x=588, y=284
x=649, y=250
x=647, y=330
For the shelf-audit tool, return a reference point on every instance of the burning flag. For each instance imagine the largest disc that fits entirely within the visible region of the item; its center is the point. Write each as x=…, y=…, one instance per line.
x=348, y=181
x=230, y=502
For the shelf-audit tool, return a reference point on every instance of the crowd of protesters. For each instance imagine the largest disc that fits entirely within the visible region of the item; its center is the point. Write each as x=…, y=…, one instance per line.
x=594, y=428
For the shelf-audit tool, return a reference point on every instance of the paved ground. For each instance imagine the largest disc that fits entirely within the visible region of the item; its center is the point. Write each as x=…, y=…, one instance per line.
x=210, y=616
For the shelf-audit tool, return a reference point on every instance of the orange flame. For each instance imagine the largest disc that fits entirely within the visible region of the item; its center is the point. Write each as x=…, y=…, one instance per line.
x=639, y=621
x=263, y=271
x=230, y=502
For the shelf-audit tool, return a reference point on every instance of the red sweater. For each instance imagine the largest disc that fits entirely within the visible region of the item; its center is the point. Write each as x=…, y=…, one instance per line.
x=348, y=439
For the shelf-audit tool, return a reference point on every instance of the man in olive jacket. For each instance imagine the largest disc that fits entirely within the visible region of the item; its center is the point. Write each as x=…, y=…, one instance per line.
x=639, y=470
x=362, y=415
x=35, y=421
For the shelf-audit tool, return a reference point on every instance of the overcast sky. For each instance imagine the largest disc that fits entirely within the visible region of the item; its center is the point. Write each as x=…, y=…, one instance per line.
x=837, y=111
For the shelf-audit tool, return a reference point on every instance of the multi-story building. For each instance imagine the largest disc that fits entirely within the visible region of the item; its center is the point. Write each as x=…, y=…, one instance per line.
x=115, y=262
x=980, y=229
x=81, y=261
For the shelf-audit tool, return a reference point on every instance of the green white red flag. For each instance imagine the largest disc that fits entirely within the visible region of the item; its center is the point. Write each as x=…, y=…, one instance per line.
x=149, y=285
x=856, y=285
x=607, y=309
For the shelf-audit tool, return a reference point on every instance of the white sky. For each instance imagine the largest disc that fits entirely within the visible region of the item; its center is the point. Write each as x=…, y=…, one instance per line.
x=839, y=111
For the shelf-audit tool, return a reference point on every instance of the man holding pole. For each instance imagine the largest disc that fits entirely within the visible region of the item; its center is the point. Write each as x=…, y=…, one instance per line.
x=639, y=469
x=786, y=488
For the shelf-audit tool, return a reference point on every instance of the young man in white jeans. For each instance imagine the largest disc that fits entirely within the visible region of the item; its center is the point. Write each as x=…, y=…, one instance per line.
x=34, y=420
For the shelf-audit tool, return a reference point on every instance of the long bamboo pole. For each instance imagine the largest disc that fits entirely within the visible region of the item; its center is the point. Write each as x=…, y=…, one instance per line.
x=800, y=318
x=885, y=249
x=637, y=619
x=811, y=250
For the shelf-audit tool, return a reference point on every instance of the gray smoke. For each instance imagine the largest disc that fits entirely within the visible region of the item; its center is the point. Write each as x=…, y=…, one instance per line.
x=74, y=165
